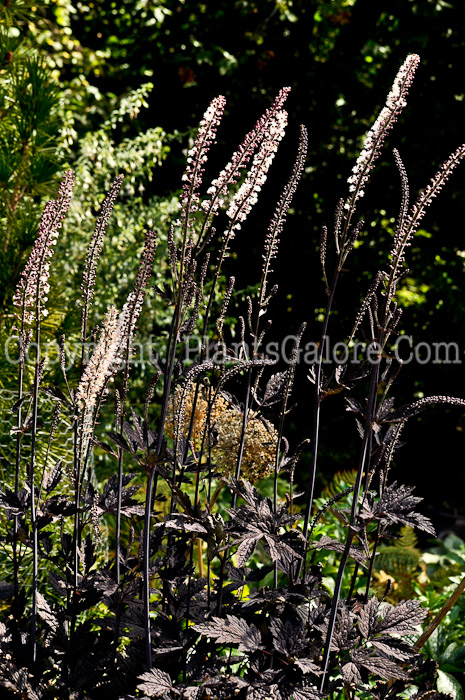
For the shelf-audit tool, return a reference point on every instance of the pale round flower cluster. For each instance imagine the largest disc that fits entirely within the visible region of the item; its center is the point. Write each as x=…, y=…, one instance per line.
x=395, y=102
x=225, y=422
x=259, y=454
x=200, y=414
x=247, y=194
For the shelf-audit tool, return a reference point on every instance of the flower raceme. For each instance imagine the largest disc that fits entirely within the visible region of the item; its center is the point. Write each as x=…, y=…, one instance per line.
x=197, y=157
x=247, y=194
x=115, y=339
x=33, y=287
x=94, y=250
x=135, y=300
x=100, y=367
x=218, y=189
x=411, y=223
x=395, y=102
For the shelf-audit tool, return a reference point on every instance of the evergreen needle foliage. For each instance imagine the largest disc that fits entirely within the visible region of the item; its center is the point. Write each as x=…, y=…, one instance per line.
x=210, y=588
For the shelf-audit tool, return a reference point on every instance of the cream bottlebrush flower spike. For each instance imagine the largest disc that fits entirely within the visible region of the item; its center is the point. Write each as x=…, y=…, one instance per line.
x=218, y=189
x=135, y=300
x=116, y=335
x=33, y=287
x=247, y=194
x=94, y=250
x=395, y=102
x=197, y=157
x=102, y=364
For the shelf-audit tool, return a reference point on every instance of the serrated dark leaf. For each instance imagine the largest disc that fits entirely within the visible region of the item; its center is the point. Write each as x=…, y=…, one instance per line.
x=6, y=590
x=289, y=637
x=345, y=636
x=354, y=406
x=156, y=683
x=181, y=521
x=164, y=293
x=393, y=648
x=275, y=388
x=54, y=477
x=45, y=613
x=308, y=666
x=396, y=505
x=17, y=404
x=89, y=554
x=401, y=619
x=104, y=446
x=350, y=673
x=246, y=547
x=380, y=666
x=305, y=693
x=385, y=409
x=55, y=393
x=334, y=545
x=105, y=582
x=231, y=630
x=134, y=437
x=58, y=505
x=244, y=574
x=368, y=617
x=119, y=440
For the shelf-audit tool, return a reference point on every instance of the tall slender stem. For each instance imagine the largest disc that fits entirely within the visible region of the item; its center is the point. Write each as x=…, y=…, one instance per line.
x=146, y=567
x=18, y=464
x=120, y=473
x=316, y=412
x=363, y=464
x=35, y=548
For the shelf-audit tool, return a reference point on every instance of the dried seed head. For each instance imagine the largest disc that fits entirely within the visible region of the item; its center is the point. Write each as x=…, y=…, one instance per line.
x=259, y=453
x=225, y=422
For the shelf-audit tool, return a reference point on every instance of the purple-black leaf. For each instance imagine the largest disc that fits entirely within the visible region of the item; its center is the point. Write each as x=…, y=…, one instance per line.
x=350, y=673
x=396, y=505
x=384, y=668
x=231, y=630
x=308, y=666
x=334, y=545
x=402, y=619
x=156, y=683
x=246, y=547
x=289, y=637
x=368, y=617
x=305, y=693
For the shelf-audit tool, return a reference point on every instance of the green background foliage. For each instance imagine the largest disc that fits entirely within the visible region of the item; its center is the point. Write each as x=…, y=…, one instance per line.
x=122, y=84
